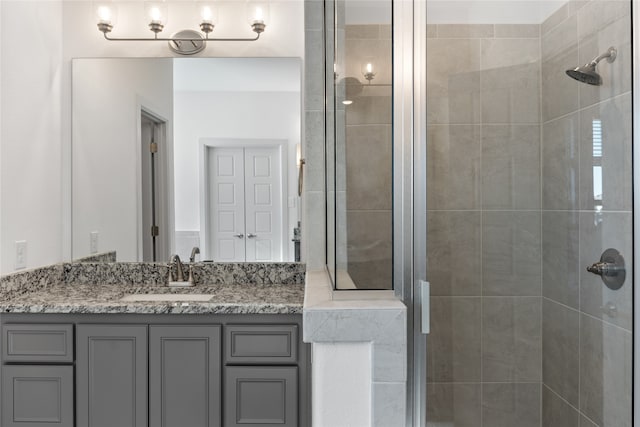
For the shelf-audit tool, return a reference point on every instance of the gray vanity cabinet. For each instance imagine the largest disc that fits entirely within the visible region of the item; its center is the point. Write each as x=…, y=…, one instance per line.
x=259, y=390
x=37, y=396
x=37, y=375
x=156, y=370
x=258, y=396
x=111, y=375
x=184, y=376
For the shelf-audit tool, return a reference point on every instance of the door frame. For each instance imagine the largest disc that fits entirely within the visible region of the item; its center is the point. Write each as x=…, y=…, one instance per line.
x=209, y=143
x=164, y=184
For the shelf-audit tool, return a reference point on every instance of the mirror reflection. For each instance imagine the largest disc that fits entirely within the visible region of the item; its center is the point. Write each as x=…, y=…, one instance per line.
x=175, y=153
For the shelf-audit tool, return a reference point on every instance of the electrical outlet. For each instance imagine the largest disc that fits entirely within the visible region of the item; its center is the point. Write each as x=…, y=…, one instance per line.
x=93, y=242
x=21, y=254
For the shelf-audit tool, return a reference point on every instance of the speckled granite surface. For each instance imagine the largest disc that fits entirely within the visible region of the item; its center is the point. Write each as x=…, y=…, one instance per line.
x=209, y=273
x=103, y=257
x=28, y=281
x=243, y=288
x=98, y=299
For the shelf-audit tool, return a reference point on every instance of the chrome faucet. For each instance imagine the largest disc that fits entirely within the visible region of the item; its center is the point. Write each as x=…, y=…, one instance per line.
x=194, y=251
x=175, y=259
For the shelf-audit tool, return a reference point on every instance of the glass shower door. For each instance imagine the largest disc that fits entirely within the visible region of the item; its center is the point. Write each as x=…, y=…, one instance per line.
x=529, y=182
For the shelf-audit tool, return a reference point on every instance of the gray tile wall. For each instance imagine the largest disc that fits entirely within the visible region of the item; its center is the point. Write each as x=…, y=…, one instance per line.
x=313, y=198
x=484, y=225
x=587, y=356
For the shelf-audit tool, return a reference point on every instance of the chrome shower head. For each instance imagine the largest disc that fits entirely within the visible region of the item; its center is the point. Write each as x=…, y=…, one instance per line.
x=587, y=73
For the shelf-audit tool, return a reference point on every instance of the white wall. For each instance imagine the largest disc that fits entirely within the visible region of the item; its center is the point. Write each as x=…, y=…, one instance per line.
x=341, y=386
x=234, y=115
x=30, y=131
x=107, y=96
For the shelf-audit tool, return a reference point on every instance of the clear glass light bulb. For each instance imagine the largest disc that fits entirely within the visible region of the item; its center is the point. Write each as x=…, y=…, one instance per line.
x=257, y=12
x=155, y=14
x=259, y=15
x=207, y=13
x=104, y=14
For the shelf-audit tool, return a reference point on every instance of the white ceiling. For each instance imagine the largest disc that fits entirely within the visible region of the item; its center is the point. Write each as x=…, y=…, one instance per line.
x=237, y=74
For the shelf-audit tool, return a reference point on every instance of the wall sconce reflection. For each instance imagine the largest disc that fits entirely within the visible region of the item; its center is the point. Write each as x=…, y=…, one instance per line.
x=368, y=71
x=185, y=42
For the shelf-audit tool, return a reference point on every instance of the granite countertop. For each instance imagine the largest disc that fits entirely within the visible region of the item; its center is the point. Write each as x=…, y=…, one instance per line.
x=105, y=298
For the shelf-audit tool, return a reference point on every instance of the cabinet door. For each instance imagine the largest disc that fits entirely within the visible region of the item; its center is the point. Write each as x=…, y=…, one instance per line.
x=184, y=376
x=261, y=395
x=111, y=376
x=37, y=396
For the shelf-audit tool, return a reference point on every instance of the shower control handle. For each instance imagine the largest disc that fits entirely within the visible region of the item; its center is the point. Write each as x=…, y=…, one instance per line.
x=604, y=269
x=610, y=268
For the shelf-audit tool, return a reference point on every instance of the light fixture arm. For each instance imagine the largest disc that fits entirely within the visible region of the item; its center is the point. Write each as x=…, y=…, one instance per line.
x=180, y=39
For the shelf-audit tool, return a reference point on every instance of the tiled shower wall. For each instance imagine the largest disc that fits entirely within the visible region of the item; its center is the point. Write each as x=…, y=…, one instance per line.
x=587, y=340
x=521, y=334
x=484, y=225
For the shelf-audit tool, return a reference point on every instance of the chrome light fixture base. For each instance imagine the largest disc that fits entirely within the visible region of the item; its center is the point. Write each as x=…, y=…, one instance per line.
x=156, y=27
x=187, y=42
x=206, y=27
x=105, y=27
x=258, y=27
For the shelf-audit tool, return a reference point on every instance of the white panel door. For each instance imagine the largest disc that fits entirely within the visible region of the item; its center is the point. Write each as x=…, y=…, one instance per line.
x=263, y=187
x=226, y=204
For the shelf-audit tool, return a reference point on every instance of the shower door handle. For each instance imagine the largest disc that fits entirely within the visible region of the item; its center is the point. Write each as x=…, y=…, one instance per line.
x=425, y=303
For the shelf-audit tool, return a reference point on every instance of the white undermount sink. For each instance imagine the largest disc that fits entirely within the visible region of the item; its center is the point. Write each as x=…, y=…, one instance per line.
x=166, y=297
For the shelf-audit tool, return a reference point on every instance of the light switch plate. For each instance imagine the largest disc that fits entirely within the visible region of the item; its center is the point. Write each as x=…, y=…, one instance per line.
x=21, y=254
x=93, y=239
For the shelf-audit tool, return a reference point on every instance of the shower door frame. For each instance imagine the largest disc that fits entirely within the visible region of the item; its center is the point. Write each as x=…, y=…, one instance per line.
x=410, y=190
x=410, y=60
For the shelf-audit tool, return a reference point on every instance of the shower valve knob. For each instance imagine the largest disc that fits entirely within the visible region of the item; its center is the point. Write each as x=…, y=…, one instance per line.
x=610, y=268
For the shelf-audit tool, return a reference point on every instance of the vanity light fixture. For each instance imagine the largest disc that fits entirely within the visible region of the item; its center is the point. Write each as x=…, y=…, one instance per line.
x=185, y=42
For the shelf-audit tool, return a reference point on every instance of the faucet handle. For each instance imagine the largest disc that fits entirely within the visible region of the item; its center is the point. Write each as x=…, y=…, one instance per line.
x=191, y=279
x=170, y=275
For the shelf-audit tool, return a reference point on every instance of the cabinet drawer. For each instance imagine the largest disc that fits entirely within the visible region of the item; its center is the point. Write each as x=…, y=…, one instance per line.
x=261, y=395
x=37, y=396
x=37, y=343
x=261, y=344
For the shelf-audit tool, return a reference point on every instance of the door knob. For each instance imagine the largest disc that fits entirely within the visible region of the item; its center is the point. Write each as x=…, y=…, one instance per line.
x=239, y=235
x=610, y=268
x=251, y=235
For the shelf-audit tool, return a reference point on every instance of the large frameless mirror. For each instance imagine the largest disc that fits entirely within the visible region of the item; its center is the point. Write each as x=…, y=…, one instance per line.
x=175, y=153
x=359, y=150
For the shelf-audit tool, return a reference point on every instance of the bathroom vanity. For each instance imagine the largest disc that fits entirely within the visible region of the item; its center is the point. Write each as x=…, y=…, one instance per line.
x=147, y=355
